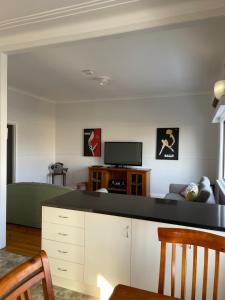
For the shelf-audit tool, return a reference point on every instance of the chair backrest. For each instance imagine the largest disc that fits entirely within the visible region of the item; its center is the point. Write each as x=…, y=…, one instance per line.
x=17, y=283
x=196, y=238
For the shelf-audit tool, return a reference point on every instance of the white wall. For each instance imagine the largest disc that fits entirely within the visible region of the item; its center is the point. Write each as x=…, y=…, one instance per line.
x=137, y=121
x=35, y=135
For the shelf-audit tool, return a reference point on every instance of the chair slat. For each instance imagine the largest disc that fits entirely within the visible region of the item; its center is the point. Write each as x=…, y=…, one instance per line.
x=25, y=270
x=194, y=273
x=162, y=268
x=27, y=295
x=173, y=269
x=183, y=271
x=16, y=284
x=216, y=275
x=24, y=287
x=205, y=273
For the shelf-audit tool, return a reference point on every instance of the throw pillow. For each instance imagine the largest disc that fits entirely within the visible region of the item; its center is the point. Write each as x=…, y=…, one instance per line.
x=190, y=192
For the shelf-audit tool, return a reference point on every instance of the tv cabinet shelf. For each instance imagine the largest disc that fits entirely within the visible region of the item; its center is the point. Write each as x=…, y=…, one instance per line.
x=113, y=189
x=134, y=181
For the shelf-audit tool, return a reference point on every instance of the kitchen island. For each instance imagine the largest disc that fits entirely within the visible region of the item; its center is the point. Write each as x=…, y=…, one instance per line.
x=95, y=241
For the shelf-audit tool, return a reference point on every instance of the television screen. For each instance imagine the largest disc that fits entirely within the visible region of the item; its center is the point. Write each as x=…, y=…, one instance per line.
x=123, y=153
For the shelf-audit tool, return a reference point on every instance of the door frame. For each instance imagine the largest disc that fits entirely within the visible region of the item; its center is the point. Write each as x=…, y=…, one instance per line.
x=14, y=150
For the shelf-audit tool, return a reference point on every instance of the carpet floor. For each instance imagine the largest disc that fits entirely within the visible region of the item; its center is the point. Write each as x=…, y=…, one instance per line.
x=8, y=261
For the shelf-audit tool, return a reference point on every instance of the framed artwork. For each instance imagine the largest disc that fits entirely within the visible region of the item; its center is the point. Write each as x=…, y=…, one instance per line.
x=92, y=142
x=167, y=143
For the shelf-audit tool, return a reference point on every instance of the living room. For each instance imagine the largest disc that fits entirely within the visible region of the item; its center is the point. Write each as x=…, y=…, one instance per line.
x=128, y=83
x=53, y=101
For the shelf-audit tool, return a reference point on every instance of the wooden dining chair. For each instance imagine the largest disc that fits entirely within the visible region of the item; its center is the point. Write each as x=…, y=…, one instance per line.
x=184, y=237
x=16, y=284
x=187, y=237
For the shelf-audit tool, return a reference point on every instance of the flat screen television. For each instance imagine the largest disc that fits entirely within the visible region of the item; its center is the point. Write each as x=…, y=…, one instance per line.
x=123, y=153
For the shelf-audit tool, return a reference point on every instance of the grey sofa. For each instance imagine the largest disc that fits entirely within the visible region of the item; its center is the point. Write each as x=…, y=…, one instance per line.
x=24, y=201
x=205, y=192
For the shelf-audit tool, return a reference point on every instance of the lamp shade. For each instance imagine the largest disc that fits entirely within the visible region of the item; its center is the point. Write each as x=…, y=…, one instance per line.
x=219, y=89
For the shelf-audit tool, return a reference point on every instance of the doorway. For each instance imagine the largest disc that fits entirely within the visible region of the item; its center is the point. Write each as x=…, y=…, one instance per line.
x=10, y=153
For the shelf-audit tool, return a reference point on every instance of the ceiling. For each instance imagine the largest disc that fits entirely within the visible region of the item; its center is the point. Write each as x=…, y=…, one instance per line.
x=26, y=24
x=149, y=63
x=12, y=9
x=25, y=16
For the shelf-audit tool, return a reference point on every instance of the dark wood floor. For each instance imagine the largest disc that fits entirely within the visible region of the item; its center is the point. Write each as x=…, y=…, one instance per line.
x=23, y=240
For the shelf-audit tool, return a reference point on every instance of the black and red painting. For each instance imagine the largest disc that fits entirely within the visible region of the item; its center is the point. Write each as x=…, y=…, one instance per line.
x=92, y=142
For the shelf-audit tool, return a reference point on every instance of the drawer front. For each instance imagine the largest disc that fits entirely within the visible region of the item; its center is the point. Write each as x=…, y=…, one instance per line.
x=66, y=270
x=63, y=216
x=64, y=251
x=64, y=234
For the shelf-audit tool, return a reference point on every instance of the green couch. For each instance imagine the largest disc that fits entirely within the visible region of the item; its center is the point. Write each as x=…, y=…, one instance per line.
x=24, y=201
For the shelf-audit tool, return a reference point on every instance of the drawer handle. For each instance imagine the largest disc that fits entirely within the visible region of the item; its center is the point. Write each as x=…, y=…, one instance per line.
x=127, y=231
x=62, y=270
x=63, y=217
x=61, y=251
x=63, y=234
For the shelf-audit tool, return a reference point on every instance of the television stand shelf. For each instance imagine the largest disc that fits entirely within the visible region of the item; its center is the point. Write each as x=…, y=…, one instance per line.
x=128, y=181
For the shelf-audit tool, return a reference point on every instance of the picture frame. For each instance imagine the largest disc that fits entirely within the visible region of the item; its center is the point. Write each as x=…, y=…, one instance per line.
x=167, y=143
x=92, y=142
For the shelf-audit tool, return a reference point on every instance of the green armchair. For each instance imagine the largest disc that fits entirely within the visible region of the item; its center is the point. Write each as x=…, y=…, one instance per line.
x=24, y=201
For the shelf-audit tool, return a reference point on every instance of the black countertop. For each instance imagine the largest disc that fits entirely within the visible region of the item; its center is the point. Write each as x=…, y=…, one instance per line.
x=193, y=214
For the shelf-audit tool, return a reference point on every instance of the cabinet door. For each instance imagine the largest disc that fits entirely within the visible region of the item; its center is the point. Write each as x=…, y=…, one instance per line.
x=95, y=179
x=107, y=251
x=136, y=184
x=145, y=255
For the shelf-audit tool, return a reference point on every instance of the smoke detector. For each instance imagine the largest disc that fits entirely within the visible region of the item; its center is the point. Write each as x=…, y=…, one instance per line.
x=88, y=72
x=91, y=75
x=103, y=80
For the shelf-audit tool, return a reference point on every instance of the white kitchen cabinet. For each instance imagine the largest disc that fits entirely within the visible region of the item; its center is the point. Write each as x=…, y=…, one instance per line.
x=63, y=241
x=107, y=250
x=145, y=255
x=91, y=253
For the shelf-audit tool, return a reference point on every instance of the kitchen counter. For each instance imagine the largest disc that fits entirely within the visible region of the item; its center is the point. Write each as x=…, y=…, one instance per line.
x=193, y=214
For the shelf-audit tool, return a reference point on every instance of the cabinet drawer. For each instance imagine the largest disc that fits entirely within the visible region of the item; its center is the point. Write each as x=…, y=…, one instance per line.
x=66, y=270
x=64, y=234
x=63, y=216
x=64, y=251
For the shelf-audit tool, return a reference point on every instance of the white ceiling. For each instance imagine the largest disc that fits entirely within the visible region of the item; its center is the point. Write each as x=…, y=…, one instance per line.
x=14, y=9
x=24, y=16
x=180, y=59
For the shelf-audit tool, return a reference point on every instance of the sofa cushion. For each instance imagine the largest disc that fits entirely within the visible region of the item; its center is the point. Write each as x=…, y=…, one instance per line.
x=102, y=190
x=205, y=180
x=174, y=196
x=205, y=191
x=190, y=192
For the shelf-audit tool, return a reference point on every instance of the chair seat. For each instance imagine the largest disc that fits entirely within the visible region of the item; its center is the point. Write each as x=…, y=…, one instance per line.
x=123, y=292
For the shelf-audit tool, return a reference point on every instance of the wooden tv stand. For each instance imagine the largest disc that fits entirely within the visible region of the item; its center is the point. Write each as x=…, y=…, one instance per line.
x=120, y=180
